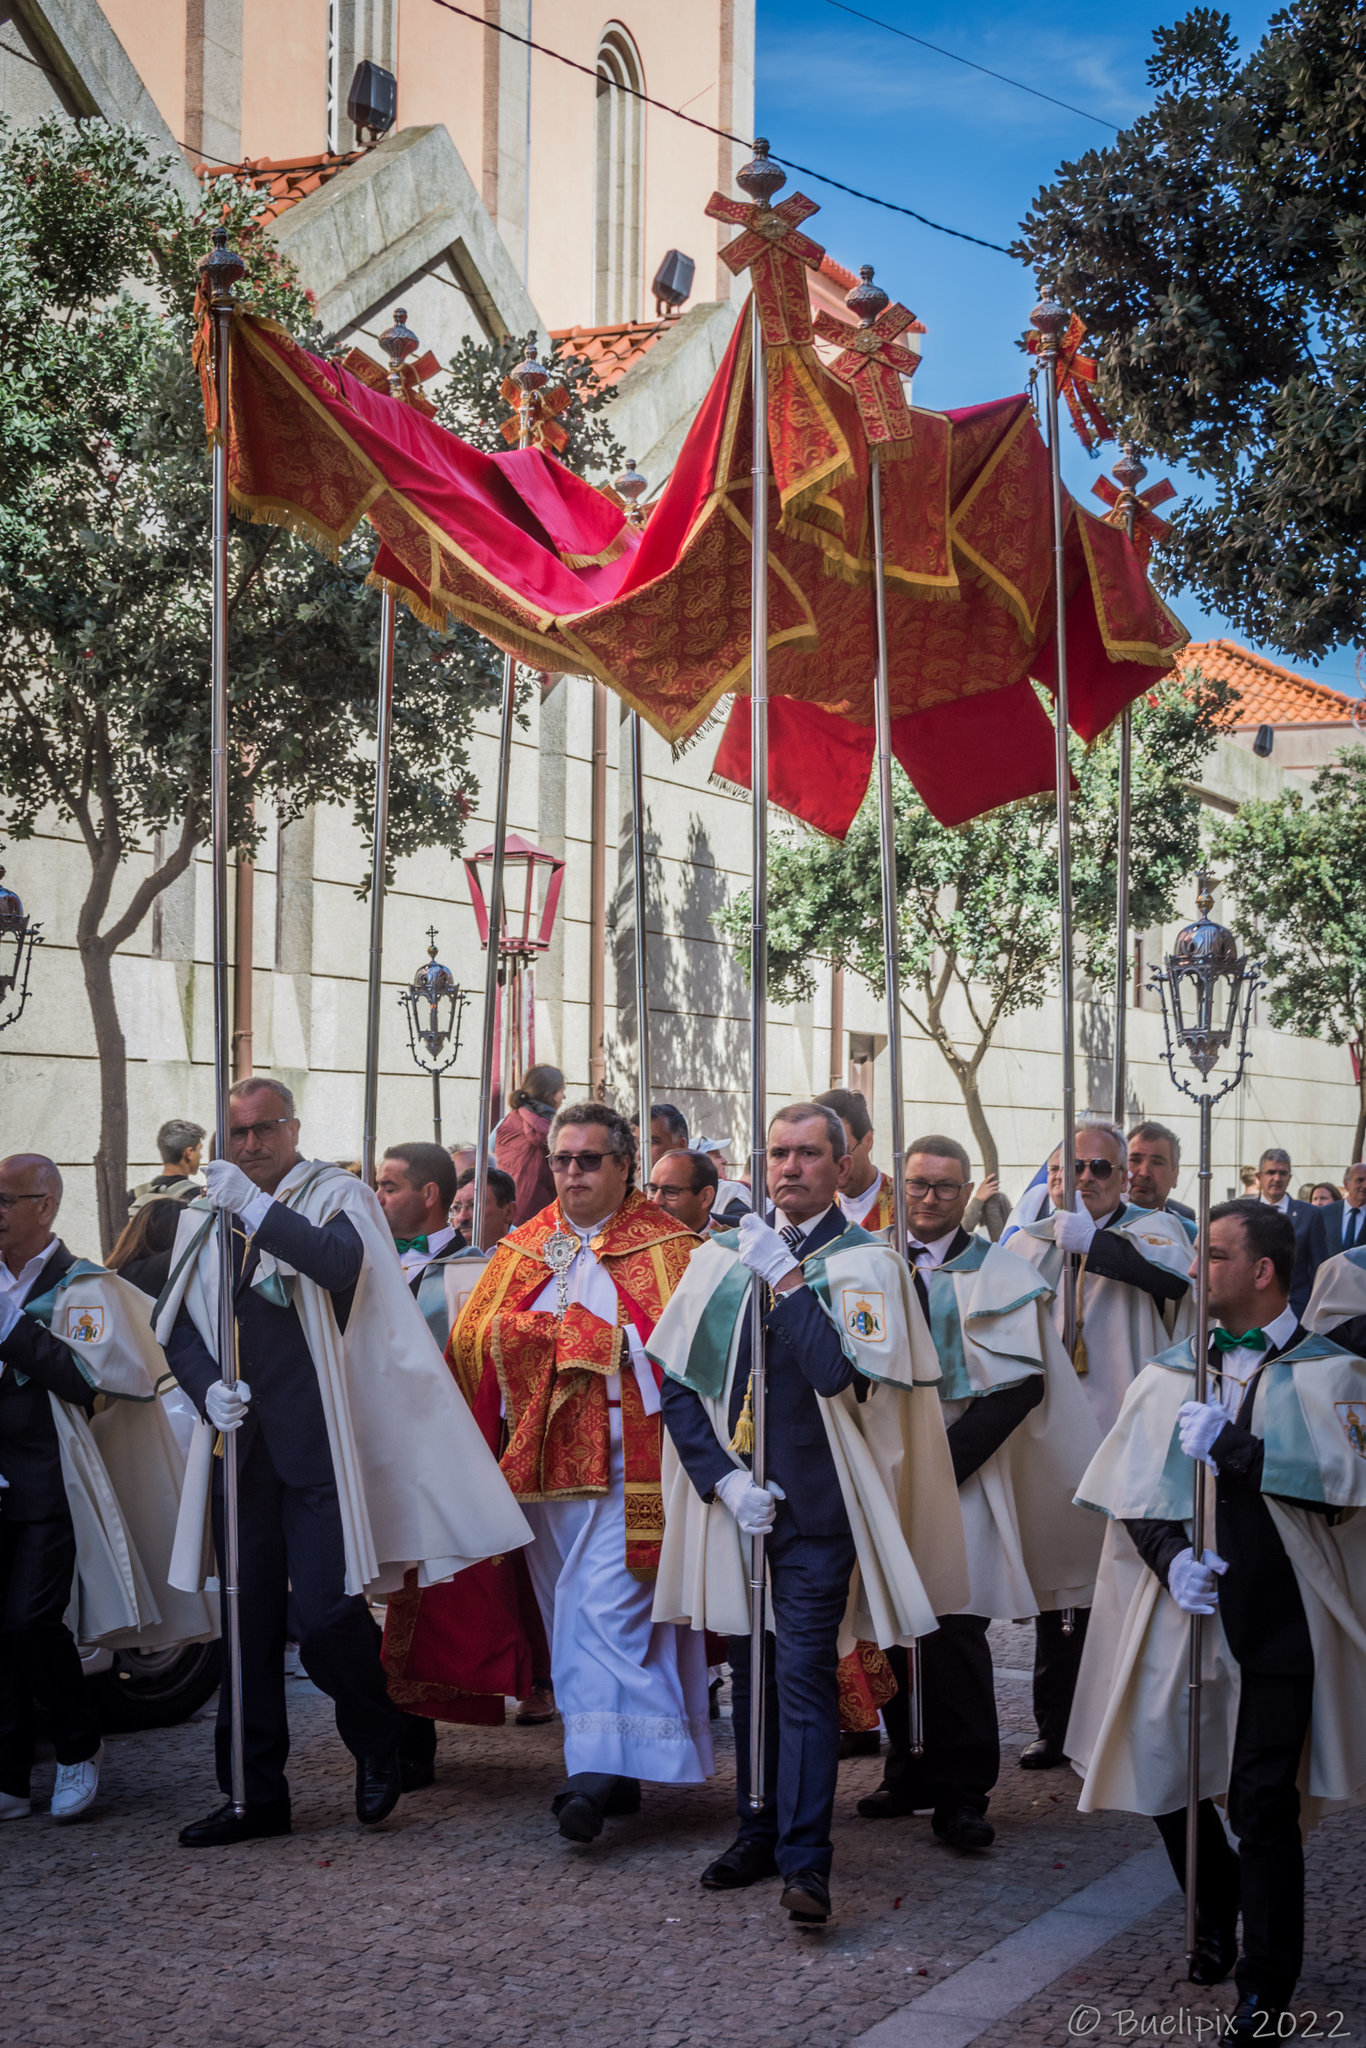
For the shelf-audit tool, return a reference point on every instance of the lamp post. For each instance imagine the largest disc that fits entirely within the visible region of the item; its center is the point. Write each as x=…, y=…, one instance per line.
x=18, y=937
x=435, y=1044
x=1207, y=987
x=525, y=885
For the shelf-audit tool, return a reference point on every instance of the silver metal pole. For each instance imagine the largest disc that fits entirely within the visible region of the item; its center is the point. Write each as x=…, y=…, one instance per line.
x=225, y=267
x=383, y=744
x=530, y=376
x=436, y=1108
x=891, y=939
x=1194, y=1681
x=484, y=1123
x=1050, y=320
x=758, y=1061
x=642, y=982
x=1129, y=472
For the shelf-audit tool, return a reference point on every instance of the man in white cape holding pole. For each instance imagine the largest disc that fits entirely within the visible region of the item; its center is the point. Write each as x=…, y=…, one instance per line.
x=91, y=1473
x=1280, y=1578
x=860, y=1511
x=358, y=1460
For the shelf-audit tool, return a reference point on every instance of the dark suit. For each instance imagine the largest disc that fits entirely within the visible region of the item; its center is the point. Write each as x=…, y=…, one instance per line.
x=961, y=1757
x=1334, y=1221
x=1311, y=1249
x=291, y=1550
x=810, y=1557
x=38, y=1657
x=1264, y=1623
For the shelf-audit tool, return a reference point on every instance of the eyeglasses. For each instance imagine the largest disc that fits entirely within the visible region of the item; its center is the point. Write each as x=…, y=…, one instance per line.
x=1099, y=1169
x=7, y=1202
x=239, y=1133
x=560, y=1162
x=934, y=1190
x=666, y=1194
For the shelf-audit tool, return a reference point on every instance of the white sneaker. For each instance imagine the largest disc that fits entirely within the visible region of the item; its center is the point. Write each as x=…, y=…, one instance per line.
x=77, y=1784
x=14, y=1808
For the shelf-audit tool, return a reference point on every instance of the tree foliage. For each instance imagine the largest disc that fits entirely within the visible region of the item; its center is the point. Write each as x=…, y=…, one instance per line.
x=104, y=568
x=1217, y=253
x=1296, y=867
x=979, y=903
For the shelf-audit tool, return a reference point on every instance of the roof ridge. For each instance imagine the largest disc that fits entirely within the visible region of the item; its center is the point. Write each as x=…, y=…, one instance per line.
x=1267, y=692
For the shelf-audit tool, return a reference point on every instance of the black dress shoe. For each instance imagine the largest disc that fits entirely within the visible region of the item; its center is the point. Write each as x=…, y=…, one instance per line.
x=579, y=1816
x=961, y=1828
x=1213, y=1956
x=1254, y=2018
x=860, y=1742
x=891, y=1801
x=379, y=1787
x=806, y=1897
x=1042, y=1755
x=742, y=1864
x=417, y=1753
x=223, y=1826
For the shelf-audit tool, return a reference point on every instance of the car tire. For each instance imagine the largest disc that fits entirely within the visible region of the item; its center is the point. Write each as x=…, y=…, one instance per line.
x=156, y=1688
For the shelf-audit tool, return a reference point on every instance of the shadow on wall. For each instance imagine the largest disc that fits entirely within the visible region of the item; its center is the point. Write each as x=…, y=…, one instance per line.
x=699, y=1000
x=1097, y=1037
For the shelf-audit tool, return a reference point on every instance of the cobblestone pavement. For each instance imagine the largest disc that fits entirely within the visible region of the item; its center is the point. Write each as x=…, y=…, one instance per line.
x=465, y=1922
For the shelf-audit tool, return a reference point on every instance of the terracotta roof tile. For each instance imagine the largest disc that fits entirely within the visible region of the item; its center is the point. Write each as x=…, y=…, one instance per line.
x=286, y=180
x=614, y=349
x=1268, y=694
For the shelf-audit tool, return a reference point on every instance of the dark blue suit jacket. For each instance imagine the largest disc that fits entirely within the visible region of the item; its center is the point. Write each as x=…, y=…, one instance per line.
x=1331, y=1220
x=37, y=1364
x=273, y=1355
x=805, y=1358
x=1310, y=1251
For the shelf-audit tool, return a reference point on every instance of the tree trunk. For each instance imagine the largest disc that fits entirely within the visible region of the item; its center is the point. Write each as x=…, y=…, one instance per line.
x=1359, y=1141
x=111, y=1159
x=977, y=1118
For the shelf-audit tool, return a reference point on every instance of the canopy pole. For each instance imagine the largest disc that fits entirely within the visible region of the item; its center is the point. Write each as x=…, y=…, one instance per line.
x=398, y=342
x=1200, y=1392
x=1128, y=473
x=1050, y=321
x=631, y=486
x=758, y=1049
x=530, y=376
x=223, y=267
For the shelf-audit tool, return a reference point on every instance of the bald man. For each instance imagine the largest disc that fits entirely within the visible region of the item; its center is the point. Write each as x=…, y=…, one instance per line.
x=38, y=1655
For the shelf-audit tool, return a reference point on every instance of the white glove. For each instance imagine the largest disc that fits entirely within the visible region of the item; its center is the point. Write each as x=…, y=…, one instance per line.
x=227, y=1187
x=226, y=1406
x=764, y=1252
x=1200, y=1423
x=752, y=1506
x=1194, y=1587
x=1074, y=1233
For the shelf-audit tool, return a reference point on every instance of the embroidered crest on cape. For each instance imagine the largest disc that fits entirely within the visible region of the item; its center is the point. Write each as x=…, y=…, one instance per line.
x=1352, y=1416
x=84, y=1325
x=865, y=1315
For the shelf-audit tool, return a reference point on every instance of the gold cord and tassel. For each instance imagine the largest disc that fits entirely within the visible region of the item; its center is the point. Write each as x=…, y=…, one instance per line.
x=742, y=1443
x=1080, y=1363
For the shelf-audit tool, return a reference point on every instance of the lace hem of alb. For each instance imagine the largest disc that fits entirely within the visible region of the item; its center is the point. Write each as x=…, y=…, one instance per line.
x=636, y=1727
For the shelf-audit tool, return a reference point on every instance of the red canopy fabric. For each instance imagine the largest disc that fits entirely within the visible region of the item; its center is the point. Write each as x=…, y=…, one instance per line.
x=549, y=569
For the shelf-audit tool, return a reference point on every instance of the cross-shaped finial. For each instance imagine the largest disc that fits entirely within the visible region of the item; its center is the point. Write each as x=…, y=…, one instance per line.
x=872, y=361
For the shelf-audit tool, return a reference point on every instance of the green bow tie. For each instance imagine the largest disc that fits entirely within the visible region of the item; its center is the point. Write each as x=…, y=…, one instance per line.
x=1251, y=1340
x=410, y=1244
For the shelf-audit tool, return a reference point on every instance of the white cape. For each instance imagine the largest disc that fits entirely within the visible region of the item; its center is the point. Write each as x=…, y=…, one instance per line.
x=417, y=1485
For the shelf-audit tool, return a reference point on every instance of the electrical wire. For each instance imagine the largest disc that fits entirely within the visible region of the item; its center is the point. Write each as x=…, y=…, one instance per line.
x=985, y=69
x=802, y=170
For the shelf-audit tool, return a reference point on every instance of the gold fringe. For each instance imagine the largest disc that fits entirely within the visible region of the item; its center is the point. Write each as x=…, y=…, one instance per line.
x=742, y=1443
x=274, y=512
x=728, y=788
x=610, y=553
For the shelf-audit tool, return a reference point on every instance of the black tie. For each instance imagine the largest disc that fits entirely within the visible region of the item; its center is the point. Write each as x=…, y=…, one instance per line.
x=918, y=1278
x=1352, y=1222
x=792, y=1235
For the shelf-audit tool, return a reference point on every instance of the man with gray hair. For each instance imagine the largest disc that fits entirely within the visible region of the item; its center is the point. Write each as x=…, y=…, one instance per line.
x=179, y=1144
x=1311, y=1248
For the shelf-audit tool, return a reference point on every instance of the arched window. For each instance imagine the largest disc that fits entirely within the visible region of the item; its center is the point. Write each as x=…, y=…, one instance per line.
x=620, y=139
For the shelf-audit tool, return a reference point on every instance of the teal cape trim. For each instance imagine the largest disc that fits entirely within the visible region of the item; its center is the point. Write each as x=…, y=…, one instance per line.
x=709, y=1352
x=1290, y=1466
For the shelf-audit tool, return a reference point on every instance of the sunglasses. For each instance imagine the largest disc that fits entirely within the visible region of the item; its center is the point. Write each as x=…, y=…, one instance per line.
x=560, y=1162
x=7, y=1202
x=1099, y=1169
x=239, y=1133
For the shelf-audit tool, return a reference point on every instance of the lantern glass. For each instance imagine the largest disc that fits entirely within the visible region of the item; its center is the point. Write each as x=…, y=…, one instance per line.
x=1206, y=976
x=531, y=893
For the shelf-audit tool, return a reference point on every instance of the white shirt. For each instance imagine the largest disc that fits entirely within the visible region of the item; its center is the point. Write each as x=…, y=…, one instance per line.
x=1237, y=1367
x=412, y=1261
x=1283, y=1205
x=590, y=1284
x=14, y=1287
x=856, y=1207
x=782, y=1221
x=934, y=1253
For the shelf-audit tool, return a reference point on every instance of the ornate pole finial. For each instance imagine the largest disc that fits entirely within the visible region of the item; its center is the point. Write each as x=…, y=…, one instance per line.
x=1129, y=472
x=531, y=373
x=398, y=342
x=431, y=942
x=223, y=268
x=1204, y=900
x=866, y=300
x=632, y=486
x=761, y=177
x=1049, y=320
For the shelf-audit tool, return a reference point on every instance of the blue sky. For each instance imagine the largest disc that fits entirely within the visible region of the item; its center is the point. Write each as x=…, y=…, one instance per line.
x=893, y=119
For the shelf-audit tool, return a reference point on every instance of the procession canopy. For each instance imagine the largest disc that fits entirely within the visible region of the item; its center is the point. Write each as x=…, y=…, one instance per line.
x=552, y=571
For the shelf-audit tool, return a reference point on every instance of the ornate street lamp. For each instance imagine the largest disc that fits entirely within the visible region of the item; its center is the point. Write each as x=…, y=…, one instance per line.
x=18, y=937
x=434, y=1006
x=1207, y=988
x=529, y=897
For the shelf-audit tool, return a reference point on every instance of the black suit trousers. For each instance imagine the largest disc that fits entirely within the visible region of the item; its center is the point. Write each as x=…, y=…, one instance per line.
x=1057, y=1660
x=809, y=1579
x=1264, y=1814
x=291, y=1556
x=38, y=1657
x=961, y=1760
